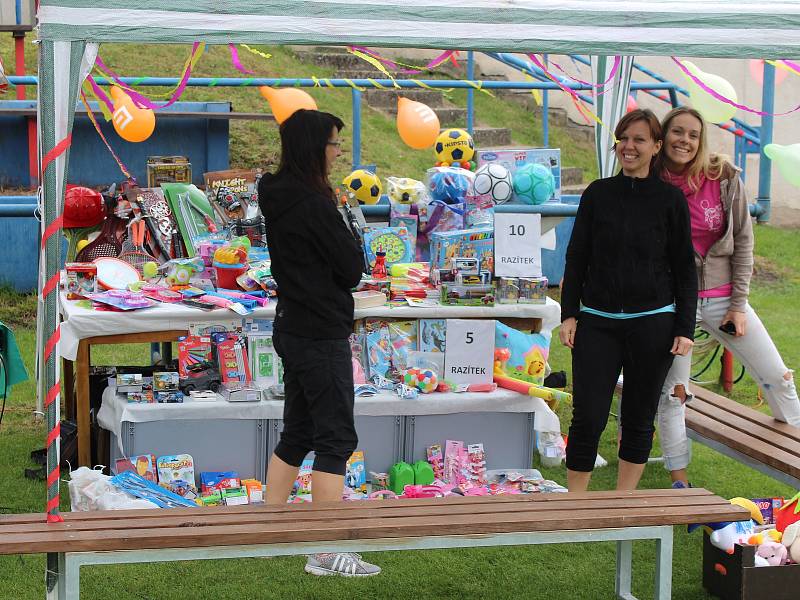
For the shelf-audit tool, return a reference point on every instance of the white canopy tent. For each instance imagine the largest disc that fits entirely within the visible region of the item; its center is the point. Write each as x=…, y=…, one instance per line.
x=69, y=31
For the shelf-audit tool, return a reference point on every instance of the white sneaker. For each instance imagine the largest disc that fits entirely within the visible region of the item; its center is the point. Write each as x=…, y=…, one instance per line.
x=347, y=564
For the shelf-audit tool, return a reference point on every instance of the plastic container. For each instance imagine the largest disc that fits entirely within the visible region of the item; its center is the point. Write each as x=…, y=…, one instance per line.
x=227, y=274
x=400, y=475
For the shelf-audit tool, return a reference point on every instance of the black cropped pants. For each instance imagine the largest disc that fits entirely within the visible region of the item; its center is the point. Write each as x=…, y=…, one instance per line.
x=603, y=347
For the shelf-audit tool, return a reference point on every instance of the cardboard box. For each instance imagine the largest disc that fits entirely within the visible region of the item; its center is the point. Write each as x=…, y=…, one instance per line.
x=168, y=169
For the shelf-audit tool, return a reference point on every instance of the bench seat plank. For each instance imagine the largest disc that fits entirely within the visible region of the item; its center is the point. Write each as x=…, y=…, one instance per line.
x=733, y=407
x=302, y=526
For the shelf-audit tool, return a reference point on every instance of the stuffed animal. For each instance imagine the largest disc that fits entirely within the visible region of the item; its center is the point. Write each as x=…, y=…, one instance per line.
x=738, y=532
x=772, y=554
x=791, y=539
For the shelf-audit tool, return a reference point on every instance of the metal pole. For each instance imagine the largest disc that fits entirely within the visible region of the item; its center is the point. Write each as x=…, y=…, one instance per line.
x=545, y=114
x=470, y=92
x=356, y=96
x=765, y=164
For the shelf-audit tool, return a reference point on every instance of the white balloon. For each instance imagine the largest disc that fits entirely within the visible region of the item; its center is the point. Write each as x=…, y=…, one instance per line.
x=713, y=110
x=787, y=159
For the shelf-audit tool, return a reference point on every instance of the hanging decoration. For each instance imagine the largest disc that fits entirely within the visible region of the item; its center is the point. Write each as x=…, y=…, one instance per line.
x=284, y=102
x=96, y=125
x=756, y=67
x=131, y=123
x=395, y=66
x=237, y=64
x=417, y=124
x=787, y=159
x=710, y=105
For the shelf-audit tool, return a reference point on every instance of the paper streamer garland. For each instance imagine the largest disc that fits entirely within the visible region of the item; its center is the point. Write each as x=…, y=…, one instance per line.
x=92, y=118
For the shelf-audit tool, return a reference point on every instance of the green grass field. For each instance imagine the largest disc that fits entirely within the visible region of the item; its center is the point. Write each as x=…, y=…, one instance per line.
x=575, y=571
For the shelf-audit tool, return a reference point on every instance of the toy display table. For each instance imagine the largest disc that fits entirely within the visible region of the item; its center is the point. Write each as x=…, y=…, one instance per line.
x=389, y=428
x=82, y=328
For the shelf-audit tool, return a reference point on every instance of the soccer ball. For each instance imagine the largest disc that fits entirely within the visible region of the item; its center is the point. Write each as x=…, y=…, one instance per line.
x=454, y=146
x=534, y=183
x=449, y=184
x=494, y=179
x=365, y=186
x=425, y=380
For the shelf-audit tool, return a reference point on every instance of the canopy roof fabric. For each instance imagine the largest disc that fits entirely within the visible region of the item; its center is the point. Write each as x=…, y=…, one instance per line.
x=712, y=28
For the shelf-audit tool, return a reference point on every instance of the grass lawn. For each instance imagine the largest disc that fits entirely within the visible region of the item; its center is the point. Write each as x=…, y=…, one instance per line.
x=573, y=571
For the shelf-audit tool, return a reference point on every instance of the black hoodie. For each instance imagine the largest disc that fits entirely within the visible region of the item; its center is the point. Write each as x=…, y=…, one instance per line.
x=315, y=259
x=631, y=251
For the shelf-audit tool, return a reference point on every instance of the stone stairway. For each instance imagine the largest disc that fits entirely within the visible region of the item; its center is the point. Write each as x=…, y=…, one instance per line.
x=348, y=66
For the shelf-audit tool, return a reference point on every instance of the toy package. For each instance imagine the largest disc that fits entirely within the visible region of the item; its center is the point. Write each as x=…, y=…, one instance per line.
x=379, y=348
x=768, y=506
x=528, y=353
x=356, y=474
x=265, y=364
x=455, y=462
x=160, y=222
x=230, y=192
x=465, y=243
x=431, y=335
x=176, y=473
x=400, y=216
x=436, y=460
x=193, y=213
x=193, y=350
x=231, y=354
x=403, y=339
x=217, y=480
x=141, y=487
x=142, y=464
x=513, y=159
x=302, y=485
x=164, y=381
x=477, y=463
x=394, y=241
x=357, y=342
x=81, y=280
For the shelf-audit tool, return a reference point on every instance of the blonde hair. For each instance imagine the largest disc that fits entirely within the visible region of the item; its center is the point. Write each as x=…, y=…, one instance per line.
x=711, y=166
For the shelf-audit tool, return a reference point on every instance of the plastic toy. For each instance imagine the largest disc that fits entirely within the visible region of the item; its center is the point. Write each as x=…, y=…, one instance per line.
x=404, y=190
x=534, y=183
x=400, y=475
x=180, y=270
x=449, y=184
x=454, y=147
x=83, y=207
x=725, y=535
x=425, y=380
x=364, y=185
x=423, y=473
x=549, y=395
x=379, y=269
x=495, y=180
x=201, y=376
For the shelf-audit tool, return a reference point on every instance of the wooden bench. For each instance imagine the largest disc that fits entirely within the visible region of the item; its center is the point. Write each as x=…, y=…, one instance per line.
x=747, y=435
x=453, y=522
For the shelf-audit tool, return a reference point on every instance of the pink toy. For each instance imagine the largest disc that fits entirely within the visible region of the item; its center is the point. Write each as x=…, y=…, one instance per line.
x=772, y=553
x=422, y=491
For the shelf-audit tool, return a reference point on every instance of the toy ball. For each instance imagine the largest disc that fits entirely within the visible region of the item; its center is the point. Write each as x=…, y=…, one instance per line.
x=494, y=179
x=150, y=269
x=83, y=207
x=365, y=186
x=454, y=146
x=534, y=183
x=425, y=380
x=81, y=245
x=404, y=190
x=449, y=185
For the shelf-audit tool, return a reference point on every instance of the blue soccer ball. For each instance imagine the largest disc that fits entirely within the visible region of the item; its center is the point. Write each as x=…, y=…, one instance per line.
x=449, y=184
x=534, y=183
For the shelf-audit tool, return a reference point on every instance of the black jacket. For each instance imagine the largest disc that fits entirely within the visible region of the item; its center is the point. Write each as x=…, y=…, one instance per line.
x=315, y=259
x=631, y=251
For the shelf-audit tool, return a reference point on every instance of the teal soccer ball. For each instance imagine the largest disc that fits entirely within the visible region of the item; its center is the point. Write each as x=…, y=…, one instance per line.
x=534, y=183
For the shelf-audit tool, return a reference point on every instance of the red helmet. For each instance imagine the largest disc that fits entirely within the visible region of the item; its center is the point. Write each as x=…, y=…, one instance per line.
x=83, y=207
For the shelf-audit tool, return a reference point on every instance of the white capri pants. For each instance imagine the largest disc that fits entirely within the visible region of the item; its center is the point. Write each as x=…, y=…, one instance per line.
x=755, y=350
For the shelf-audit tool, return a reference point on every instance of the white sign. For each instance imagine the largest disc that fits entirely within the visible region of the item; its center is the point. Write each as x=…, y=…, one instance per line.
x=469, y=352
x=517, y=245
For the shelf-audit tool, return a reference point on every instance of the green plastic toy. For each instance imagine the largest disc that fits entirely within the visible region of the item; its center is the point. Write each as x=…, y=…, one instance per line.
x=423, y=473
x=400, y=475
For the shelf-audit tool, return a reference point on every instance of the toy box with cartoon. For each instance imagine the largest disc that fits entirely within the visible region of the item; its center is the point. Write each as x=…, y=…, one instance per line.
x=513, y=159
x=302, y=485
x=478, y=243
x=356, y=474
x=142, y=464
x=528, y=353
x=176, y=473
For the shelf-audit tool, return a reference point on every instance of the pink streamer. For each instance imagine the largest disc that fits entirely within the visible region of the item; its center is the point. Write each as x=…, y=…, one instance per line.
x=721, y=98
x=101, y=95
x=237, y=63
x=614, y=69
x=395, y=67
x=142, y=101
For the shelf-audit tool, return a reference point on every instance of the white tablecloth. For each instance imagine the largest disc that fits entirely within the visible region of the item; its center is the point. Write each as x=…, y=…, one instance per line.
x=115, y=408
x=79, y=323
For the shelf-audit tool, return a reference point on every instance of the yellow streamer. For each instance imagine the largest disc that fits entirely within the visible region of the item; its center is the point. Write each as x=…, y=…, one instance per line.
x=781, y=65
x=377, y=85
x=256, y=52
x=428, y=87
x=375, y=63
x=479, y=86
x=87, y=89
x=352, y=84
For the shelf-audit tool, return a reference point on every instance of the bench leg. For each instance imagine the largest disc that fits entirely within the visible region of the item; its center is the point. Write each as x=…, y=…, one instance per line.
x=664, y=567
x=622, y=585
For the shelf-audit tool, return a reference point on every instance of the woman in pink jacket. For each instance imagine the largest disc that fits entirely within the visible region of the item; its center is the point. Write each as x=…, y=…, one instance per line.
x=722, y=236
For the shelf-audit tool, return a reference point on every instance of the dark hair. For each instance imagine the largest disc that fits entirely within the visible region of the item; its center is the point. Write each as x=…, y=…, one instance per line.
x=640, y=114
x=304, y=139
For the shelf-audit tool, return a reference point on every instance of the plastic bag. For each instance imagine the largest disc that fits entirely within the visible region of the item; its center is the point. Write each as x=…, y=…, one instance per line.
x=450, y=185
x=551, y=447
x=90, y=489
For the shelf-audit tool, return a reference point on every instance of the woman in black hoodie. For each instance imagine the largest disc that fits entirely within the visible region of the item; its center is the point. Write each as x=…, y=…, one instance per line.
x=315, y=262
x=628, y=301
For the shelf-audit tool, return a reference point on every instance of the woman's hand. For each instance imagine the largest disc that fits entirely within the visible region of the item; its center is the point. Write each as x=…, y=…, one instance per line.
x=739, y=320
x=567, y=332
x=681, y=346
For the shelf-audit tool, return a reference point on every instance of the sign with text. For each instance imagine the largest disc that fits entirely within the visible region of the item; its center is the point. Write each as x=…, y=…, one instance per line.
x=469, y=353
x=517, y=245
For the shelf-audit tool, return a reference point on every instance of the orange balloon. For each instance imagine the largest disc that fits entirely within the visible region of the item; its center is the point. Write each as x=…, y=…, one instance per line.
x=417, y=124
x=285, y=101
x=132, y=123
